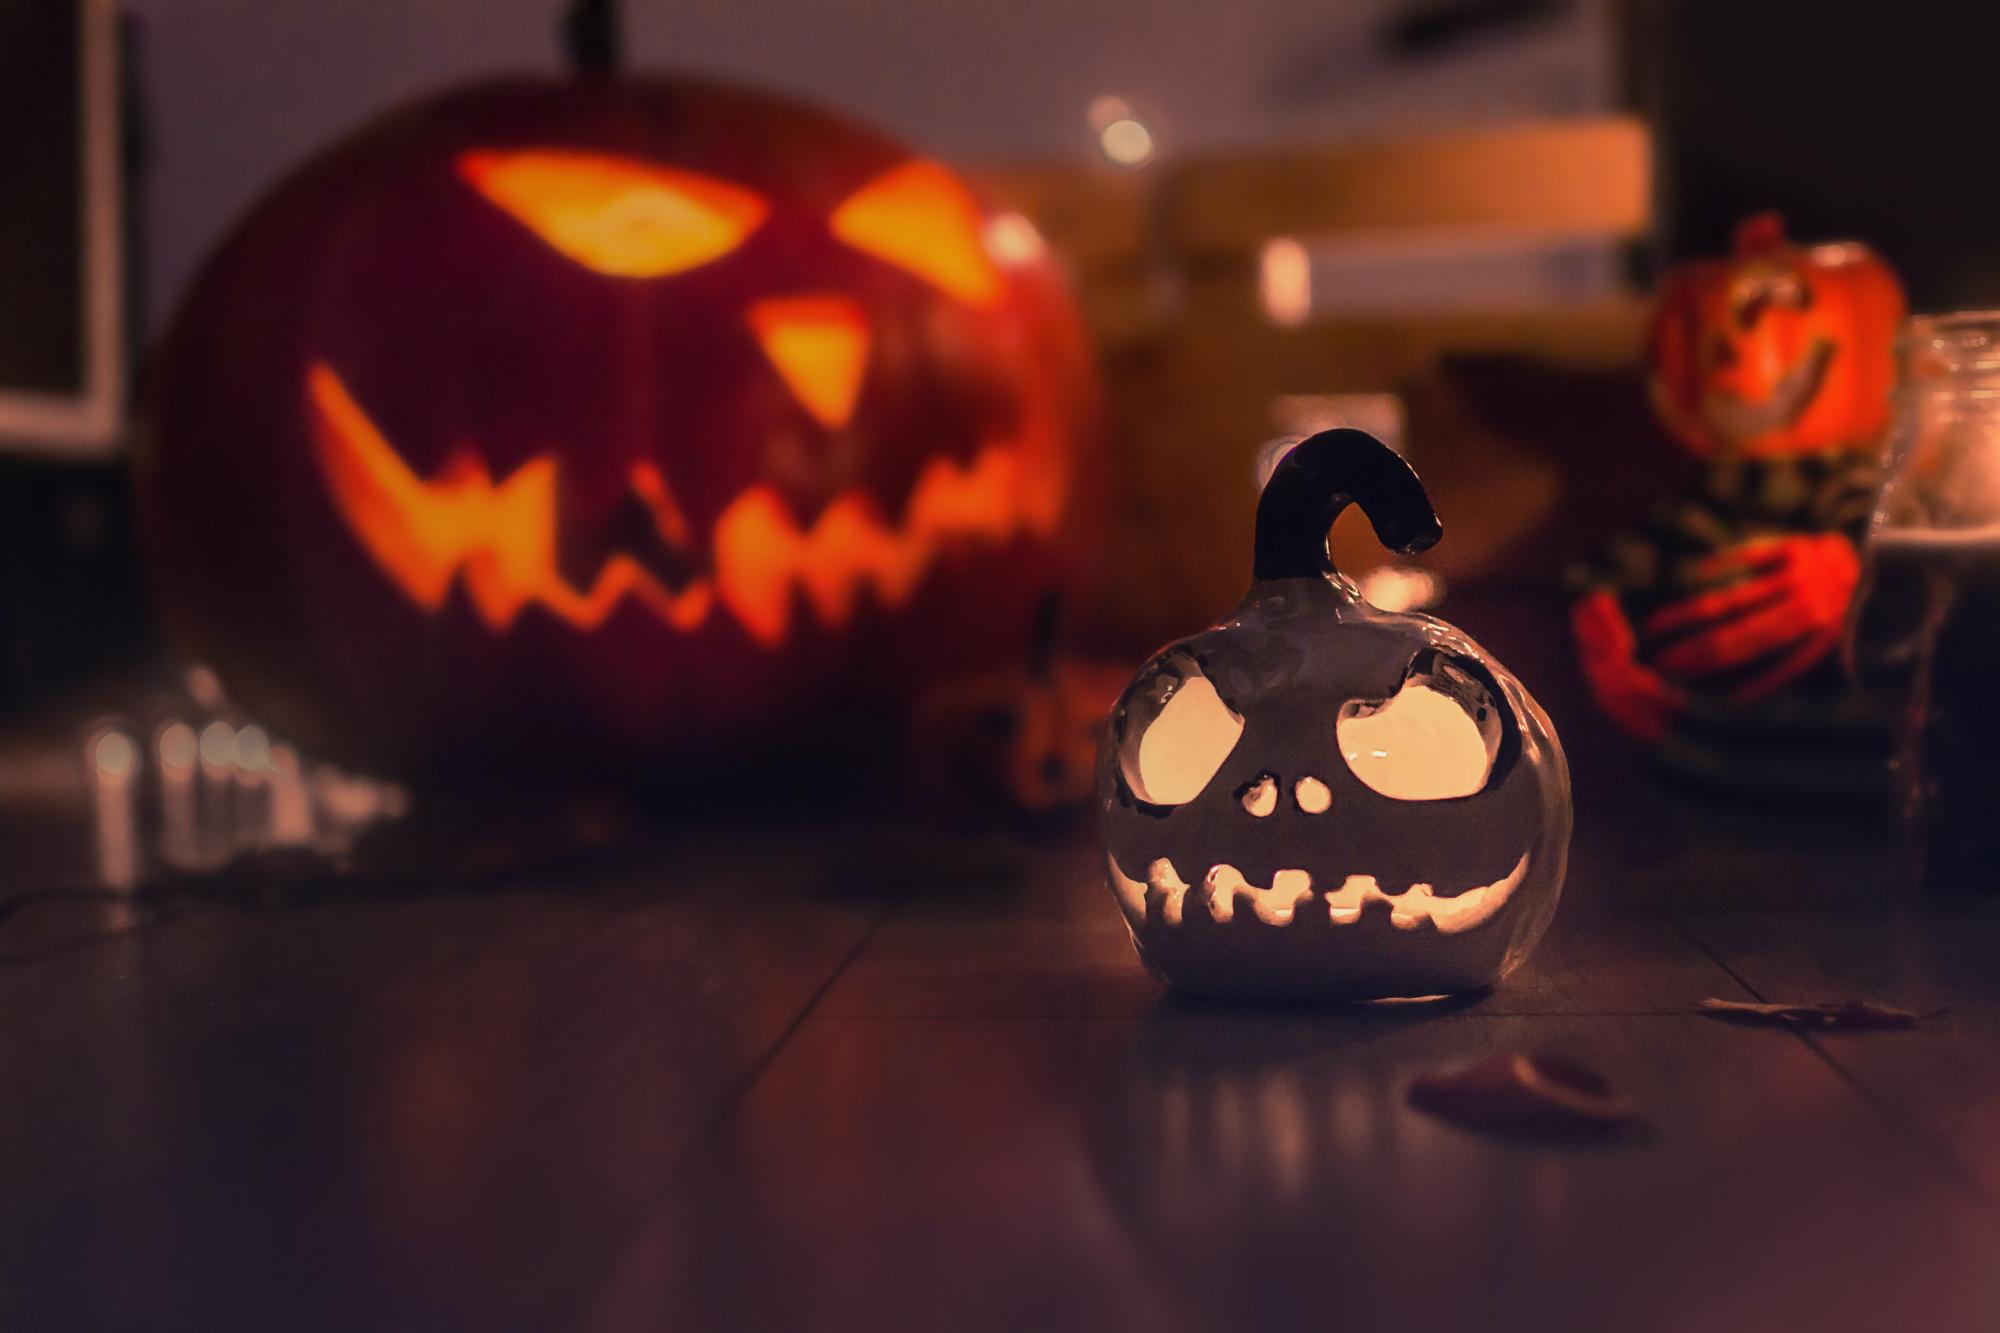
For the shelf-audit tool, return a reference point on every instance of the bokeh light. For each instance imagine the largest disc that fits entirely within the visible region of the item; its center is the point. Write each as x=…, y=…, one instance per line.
x=1401, y=587
x=253, y=749
x=115, y=756
x=1127, y=143
x=1284, y=281
x=218, y=746
x=1012, y=241
x=178, y=747
x=1124, y=139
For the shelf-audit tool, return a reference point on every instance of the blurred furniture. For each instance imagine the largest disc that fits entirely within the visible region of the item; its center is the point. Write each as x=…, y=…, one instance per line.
x=71, y=604
x=72, y=600
x=1525, y=415
x=62, y=233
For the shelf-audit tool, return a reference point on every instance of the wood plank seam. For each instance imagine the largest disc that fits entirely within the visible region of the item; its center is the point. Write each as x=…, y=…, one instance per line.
x=579, y=1299
x=1928, y=1143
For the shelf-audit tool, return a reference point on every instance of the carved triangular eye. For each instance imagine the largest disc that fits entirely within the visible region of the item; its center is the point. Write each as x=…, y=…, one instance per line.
x=920, y=218
x=616, y=215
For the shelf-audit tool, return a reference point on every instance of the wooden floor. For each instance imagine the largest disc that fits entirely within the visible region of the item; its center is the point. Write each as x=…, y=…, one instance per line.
x=857, y=1077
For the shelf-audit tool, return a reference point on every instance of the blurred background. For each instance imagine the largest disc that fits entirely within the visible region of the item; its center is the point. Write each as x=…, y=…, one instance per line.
x=563, y=567
x=1440, y=220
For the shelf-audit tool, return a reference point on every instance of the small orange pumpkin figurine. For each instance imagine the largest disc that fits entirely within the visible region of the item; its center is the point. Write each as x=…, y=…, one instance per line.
x=1774, y=367
x=1017, y=745
x=1779, y=349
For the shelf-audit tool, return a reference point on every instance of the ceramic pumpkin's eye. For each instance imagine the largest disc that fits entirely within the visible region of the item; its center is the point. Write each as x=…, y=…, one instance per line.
x=616, y=215
x=1177, y=734
x=921, y=219
x=1436, y=738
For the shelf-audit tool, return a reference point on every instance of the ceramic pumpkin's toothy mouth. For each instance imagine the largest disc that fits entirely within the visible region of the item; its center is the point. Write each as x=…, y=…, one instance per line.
x=500, y=538
x=1292, y=892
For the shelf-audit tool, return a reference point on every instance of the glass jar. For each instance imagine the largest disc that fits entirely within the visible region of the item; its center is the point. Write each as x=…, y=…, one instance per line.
x=1926, y=626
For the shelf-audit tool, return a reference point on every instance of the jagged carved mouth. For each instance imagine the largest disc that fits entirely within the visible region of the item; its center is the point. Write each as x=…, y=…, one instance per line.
x=1292, y=891
x=1736, y=418
x=500, y=539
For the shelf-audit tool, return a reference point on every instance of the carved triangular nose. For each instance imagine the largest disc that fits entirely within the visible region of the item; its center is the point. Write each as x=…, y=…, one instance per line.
x=819, y=345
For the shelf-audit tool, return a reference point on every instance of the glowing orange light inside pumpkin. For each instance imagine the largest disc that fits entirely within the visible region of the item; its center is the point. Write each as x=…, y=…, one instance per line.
x=921, y=219
x=651, y=488
x=761, y=552
x=819, y=344
x=501, y=536
x=614, y=215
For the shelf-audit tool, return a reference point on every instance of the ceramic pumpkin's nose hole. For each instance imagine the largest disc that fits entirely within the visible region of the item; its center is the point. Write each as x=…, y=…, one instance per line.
x=1312, y=796
x=1260, y=798
x=819, y=347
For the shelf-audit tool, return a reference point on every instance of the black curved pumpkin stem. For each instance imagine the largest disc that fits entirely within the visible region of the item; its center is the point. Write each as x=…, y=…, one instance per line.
x=590, y=36
x=1320, y=477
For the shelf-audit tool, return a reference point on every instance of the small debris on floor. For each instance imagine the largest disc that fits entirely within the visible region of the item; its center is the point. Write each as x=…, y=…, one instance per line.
x=1546, y=1096
x=1831, y=1016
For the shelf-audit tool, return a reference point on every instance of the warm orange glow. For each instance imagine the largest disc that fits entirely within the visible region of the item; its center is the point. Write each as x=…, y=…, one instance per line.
x=501, y=536
x=1284, y=282
x=652, y=489
x=820, y=346
x=615, y=215
x=1420, y=745
x=1012, y=241
x=921, y=218
x=761, y=552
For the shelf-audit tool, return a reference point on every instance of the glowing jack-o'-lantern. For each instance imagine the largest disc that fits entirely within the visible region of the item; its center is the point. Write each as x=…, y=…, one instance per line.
x=609, y=413
x=1318, y=798
x=1779, y=349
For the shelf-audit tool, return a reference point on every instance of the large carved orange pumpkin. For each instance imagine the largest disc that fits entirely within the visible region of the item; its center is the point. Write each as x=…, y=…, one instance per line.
x=557, y=413
x=1777, y=350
